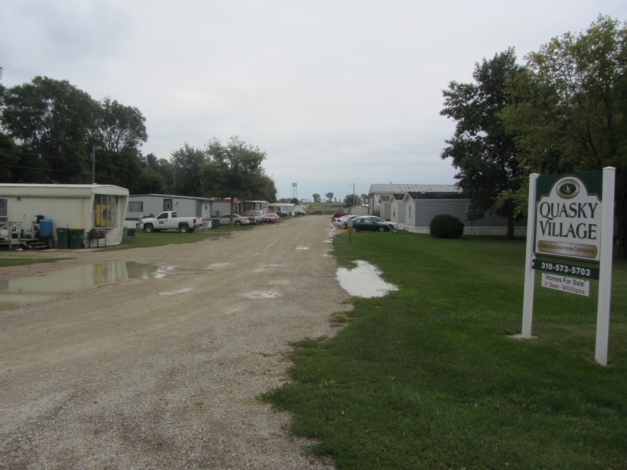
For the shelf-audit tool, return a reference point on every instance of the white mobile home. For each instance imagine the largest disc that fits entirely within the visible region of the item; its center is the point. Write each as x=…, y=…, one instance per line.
x=397, y=208
x=79, y=206
x=255, y=206
x=376, y=191
x=223, y=206
x=280, y=207
x=422, y=207
x=185, y=206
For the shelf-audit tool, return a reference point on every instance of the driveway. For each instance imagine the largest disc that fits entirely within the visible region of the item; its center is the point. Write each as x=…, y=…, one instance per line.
x=164, y=372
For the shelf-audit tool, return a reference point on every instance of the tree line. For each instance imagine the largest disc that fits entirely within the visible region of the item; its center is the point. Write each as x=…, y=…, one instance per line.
x=52, y=132
x=563, y=110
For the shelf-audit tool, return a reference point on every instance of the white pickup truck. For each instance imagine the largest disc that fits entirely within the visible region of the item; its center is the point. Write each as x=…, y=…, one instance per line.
x=170, y=220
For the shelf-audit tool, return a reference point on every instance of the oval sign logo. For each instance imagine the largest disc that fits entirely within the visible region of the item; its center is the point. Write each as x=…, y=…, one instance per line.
x=568, y=189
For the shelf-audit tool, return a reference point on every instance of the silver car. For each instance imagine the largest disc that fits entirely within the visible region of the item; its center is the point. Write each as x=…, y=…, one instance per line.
x=237, y=220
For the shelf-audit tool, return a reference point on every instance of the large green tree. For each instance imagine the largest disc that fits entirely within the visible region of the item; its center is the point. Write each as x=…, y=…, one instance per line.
x=8, y=150
x=481, y=150
x=151, y=180
x=57, y=130
x=118, y=134
x=568, y=110
x=351, y=200
x=234, y=170
x=189, y=167
x=51, y=121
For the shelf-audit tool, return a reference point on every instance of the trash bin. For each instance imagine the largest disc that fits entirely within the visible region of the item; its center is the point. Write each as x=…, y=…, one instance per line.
x=45, y=230
x=62, y=238
x=215, y=223
x=76, y=237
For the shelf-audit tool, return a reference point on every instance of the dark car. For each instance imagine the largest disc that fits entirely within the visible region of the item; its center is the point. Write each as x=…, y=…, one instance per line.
x=365, y=224
x=316, y=212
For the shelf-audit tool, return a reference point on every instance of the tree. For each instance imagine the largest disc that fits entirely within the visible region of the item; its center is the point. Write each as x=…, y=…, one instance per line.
x=2, y=87
x=294, y=201
x=481, y=150
x=568, y=109
x=9, y=153
x=364, y=198
x=9, y=156
x=119, y=132
x=316, y=198
x=329, y=197
x=267, y=189
x=351, y=200
x=51, y=121
x=189, y=171
x=234, y=170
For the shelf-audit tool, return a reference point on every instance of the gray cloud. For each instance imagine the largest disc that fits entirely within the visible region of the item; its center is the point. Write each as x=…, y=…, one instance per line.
x=335, y=92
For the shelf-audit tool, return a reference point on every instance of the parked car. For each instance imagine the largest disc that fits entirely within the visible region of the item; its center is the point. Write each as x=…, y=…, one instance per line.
x=282, y=214
x=342, y=221
x=237, y=220
x=337, y=215
x=368, y=224
x=271, y=218
x=348, y=221
x=316, y=212
x=254, y=216
x=392, y=225
x=170, y=220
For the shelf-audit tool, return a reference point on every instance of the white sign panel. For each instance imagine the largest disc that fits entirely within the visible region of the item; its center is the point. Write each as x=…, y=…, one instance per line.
x=569, y=221
x=566, y=284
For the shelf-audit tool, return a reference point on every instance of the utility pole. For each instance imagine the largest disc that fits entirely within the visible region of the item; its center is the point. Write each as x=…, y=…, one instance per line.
x=93, y=165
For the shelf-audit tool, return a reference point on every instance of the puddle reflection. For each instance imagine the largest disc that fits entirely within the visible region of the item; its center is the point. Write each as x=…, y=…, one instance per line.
x=364, y=281
x=27, y=290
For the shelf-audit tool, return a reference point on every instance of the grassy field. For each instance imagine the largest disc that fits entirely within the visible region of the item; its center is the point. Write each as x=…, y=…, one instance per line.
x=4, y=262
x=429, y=377
x=146, y=240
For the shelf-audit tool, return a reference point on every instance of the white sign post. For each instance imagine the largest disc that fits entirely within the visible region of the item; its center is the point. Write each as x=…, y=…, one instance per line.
x=571, y=216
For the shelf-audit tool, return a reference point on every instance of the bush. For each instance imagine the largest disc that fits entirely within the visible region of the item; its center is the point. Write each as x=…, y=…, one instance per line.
x=446, y=226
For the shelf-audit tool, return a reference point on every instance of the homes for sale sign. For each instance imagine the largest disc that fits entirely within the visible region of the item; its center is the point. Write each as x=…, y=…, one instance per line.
x=571, y=216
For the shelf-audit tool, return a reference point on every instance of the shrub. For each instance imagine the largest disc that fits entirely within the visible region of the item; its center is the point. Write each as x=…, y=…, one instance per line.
x=446, y=226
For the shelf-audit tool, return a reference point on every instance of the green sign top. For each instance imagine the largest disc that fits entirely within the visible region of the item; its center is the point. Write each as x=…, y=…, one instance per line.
x=592, y=179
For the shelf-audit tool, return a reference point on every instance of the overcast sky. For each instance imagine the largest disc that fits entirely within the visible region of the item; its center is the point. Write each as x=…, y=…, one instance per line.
x=335, y=92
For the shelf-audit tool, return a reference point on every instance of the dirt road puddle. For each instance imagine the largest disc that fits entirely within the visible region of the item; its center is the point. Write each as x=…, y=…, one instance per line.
x=364, y=280
x=28, y=290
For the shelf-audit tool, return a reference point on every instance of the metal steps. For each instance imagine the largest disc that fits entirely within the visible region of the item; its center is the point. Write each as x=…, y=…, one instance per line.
x=33, y=244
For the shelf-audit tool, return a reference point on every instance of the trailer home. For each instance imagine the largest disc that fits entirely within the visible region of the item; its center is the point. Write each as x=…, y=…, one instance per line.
x=86, y=209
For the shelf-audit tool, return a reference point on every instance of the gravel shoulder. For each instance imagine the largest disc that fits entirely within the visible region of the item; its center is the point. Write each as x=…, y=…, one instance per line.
x=164, y=373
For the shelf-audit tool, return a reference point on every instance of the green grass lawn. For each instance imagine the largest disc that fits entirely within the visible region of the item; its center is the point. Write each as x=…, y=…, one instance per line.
x=5, y=262
x=146, y=240
x=428, y=377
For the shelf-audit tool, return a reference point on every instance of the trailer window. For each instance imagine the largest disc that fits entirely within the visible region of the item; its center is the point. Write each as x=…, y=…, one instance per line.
x=136, y=206
x=105, y=211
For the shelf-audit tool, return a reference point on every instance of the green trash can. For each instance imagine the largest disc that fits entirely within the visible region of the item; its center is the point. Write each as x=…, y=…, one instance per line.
x=62, y=238
x=76, y=237
x=215, y=223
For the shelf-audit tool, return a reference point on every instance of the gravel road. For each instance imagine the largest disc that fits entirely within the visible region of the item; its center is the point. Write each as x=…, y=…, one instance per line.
x=163, y=373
